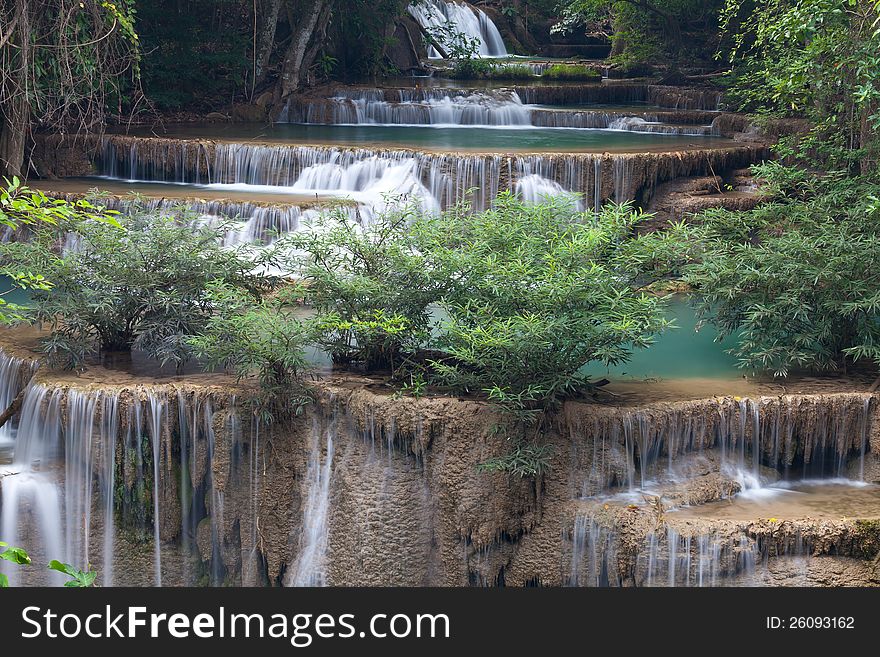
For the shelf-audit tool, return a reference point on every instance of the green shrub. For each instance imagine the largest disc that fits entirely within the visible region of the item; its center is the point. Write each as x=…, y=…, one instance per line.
x=535, y=293
x=368, y=284
x=511, y=72
x=794, y=281
x=25, y=209
x=574, y=72
x=262, y=337
x=471, y=69
x=139, y=284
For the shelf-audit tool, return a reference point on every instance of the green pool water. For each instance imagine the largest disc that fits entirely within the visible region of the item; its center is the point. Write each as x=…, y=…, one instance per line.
x=678, y=353
x=12, y=293
x=470, y=138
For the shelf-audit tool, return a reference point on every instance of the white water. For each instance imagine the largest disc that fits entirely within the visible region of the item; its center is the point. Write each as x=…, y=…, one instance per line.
x=461, y=109
x=310, y=568
x=534, y=189
x=371, y=178
x=803, y=440
x=470, y=21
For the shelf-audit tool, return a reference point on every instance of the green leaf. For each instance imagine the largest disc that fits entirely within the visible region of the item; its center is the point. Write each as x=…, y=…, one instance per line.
x=63, y=568
x=16, y=556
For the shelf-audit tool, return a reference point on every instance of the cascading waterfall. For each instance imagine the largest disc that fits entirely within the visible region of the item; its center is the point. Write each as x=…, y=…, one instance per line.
x=472, y=108
x=311, y=565
x=463, y=19
x=31, y=497
x=807, y=440
x=487, y=108
x=800, y=436
x=375, y=177
x=14, y=374
x=86, y=462
x=532, y=188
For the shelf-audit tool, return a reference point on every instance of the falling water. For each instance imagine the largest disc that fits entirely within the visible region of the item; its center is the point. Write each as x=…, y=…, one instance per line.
x=821, y=435
x=448, y=109
x=311, y=565
x=464, y=19
x=156, y=411
x=14, y=375
x=31, y=496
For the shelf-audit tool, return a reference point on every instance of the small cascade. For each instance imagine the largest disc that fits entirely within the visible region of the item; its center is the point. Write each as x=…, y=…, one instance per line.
x=14, y=375
x=448, y=109
x=639, y=124
x=534, y=189
x=612, y=555
x=487, y=108
x=462, y=18
x=801, y=437
x=87, y=468
x=310, y=568
x=31, y=497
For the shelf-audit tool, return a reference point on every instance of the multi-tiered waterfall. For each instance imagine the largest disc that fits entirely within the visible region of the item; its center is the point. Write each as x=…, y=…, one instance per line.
x=171, y=482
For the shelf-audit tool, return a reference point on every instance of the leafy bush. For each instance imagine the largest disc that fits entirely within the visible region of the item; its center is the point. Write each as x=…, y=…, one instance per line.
x=523, y=460
x=471, y=69
x=367, y=283
x=511, y=72
x=572, y=72
x=78, y=578
x=21, y=209
x=795, y=279
x=139, y=284
x=819, y=59
x=535, y=293
x=262, y=336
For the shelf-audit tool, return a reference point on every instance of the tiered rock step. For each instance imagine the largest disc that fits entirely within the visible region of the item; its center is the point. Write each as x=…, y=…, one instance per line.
x=447, y=176
x=685, y=197
x=256, y=217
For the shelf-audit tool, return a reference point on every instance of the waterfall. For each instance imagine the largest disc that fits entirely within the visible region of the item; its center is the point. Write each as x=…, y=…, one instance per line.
x=462, y=18
x=375, y=177
x=449, y=109
x=31, y=497
x=639, y=124
x=488, y=107
x=14, y=374
x=534, y=189
x=607, y=555
x=802, y=437
x=311, y=564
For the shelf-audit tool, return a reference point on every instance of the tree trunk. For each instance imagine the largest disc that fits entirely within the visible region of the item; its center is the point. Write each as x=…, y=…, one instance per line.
x=13, y=408
x=269, y=12
x=302, y=29
x=15, y=110
x=318, y=36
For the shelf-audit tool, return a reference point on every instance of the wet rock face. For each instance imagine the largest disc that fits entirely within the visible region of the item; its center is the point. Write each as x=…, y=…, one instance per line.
x=367, y=489
x=447, y=176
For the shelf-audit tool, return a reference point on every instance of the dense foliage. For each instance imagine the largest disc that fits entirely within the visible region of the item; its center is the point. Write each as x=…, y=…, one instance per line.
x=141, y=283
x=817, y=59
x=23, y=209
x=535, y=293
x=794, y=282
x=63, y=64
x=265, y=337
x=368, y=283
x=647, y=30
